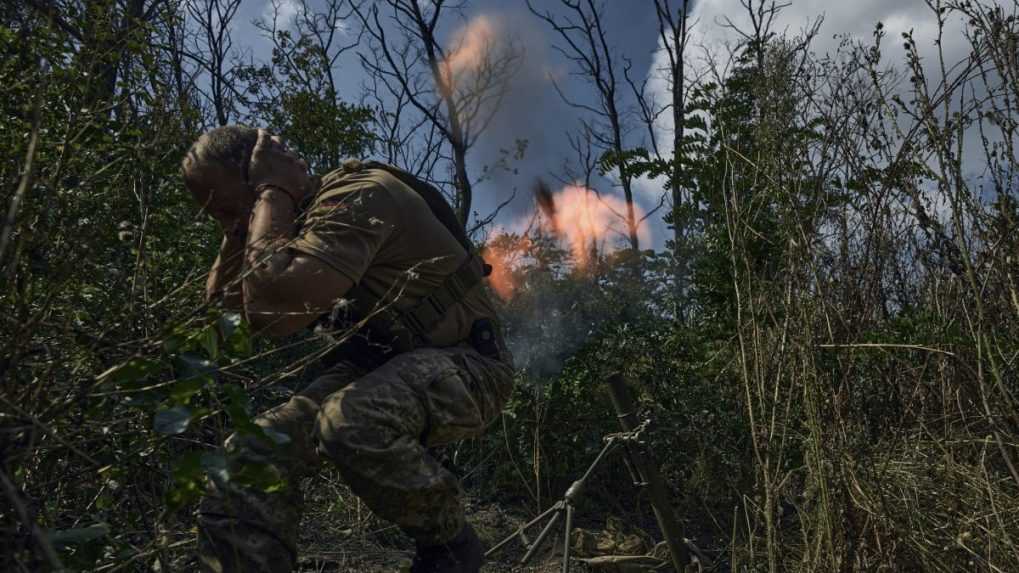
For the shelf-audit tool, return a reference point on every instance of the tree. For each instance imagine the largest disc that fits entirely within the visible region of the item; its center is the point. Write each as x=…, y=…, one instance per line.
x=457, y=90
x=296, y=95
x=673, y=32
x=212, y=47
x=585, y=44
x=652, y=160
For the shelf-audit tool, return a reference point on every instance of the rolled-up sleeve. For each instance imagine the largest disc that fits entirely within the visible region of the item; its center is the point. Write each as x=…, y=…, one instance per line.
x=346, y=228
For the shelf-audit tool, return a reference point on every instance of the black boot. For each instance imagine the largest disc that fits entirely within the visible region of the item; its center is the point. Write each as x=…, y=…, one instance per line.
x=463, y=554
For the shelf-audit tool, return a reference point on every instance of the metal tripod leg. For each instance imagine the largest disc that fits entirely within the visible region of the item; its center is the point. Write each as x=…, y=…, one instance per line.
x=566, y=537
x=519, y=533
x=646, y=475
x=544, y=533
x=564, y=505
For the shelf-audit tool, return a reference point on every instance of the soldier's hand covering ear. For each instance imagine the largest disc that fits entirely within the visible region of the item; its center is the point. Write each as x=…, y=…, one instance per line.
x=273, y=164
x=230, y=206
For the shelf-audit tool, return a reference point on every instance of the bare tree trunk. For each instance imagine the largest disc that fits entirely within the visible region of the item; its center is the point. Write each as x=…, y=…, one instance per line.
x=213, y=49
x=586, y=46
x=459, y=106
x=443, y=79
x=103, y=30
x=624, y=174
x=673, y=32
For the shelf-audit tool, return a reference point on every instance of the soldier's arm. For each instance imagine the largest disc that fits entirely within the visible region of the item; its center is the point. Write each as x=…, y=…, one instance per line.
x=224, y=284
x=284, y=290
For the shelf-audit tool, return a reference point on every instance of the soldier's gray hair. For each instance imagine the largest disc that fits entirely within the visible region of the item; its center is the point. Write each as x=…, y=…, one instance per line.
x=228, y=146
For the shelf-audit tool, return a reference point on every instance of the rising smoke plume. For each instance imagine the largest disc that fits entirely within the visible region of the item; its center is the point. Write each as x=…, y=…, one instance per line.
x=547, y=318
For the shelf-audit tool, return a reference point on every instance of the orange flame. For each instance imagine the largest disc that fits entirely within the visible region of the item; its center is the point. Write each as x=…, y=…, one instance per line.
x=471, y=46
x=501, y=280
x=585, y=222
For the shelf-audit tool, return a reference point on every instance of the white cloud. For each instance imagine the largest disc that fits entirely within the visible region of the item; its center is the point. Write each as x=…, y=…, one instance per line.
x=713, y=38
x=853, y=18
x=285, y=11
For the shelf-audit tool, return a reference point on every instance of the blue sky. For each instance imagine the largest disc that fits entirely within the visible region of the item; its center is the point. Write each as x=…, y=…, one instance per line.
x=535, y=112
x=532, y=109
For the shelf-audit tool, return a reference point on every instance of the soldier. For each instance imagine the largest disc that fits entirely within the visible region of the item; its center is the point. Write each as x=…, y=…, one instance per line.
x=364, y=245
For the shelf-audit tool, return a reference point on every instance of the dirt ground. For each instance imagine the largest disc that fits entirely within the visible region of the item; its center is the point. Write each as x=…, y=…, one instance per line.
x=367, y=545
x=339, y=534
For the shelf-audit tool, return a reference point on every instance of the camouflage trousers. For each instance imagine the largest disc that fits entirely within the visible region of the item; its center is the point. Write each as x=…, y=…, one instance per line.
x=375, y=426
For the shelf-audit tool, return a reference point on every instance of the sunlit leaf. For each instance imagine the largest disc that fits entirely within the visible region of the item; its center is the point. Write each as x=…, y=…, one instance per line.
x=261, y=476
x=236, y=334
x=228, y=324
x=188, y=480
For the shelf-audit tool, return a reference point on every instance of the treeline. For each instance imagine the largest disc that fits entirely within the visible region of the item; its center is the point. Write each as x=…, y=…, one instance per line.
x=828, y=344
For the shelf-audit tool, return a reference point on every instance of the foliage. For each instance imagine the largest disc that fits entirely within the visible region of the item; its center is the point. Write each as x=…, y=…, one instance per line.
x=294, y=95
x=832, y=320
x=117, y=382
x=827, y=350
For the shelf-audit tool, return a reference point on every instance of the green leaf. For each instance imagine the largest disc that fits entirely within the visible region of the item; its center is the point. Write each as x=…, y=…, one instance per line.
x=236, y=334
x=188, y=480
x=174, y=343
x=188, y=466
x=190, y=365
x=104, y=502
x=131, y=371
x=261, y=476
x=181, y=392
x=237, y=407
x=172, y=421
x=78, y=535
x=228, y=324
x=208, y=339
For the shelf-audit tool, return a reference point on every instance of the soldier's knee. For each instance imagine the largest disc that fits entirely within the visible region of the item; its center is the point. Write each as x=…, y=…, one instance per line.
x=370, y=419
x=357, y=423
x=336, y=431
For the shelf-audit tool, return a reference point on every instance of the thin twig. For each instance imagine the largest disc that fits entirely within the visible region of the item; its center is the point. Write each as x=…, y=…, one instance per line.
x=45, y=546
x=889, y=345
x=26, y=182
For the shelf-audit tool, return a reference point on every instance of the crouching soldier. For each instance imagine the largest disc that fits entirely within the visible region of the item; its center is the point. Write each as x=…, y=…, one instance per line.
x=365, y=246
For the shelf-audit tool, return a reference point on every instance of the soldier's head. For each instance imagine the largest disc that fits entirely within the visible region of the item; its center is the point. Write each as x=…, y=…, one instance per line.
x=215, y=169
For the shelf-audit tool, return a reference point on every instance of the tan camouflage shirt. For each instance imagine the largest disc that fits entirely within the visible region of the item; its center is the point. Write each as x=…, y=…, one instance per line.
x=381, y=234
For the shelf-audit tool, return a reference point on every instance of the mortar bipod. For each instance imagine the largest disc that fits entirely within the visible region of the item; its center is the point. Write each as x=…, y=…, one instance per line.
x=565, y=505
x=645, y=475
